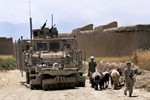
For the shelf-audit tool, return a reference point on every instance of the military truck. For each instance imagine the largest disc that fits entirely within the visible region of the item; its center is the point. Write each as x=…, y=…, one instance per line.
x=50, y=62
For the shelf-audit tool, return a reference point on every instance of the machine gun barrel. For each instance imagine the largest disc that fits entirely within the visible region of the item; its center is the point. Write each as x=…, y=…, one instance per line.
x=44, y=25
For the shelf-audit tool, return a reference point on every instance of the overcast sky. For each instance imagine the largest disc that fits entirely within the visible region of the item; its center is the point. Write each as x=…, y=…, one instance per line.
x=70, y=14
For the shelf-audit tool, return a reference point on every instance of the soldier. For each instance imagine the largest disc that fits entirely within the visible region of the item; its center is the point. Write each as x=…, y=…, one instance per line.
x=129, y=81
x=92, y=67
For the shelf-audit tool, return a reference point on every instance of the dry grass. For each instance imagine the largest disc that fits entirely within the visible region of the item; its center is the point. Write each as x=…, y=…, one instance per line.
x=114, y=59
x=7, y=63
x=140, y=58
x=3, y=57
x=143, y=59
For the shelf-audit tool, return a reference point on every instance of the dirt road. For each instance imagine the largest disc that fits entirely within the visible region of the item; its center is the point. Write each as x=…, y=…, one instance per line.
x=11, y=89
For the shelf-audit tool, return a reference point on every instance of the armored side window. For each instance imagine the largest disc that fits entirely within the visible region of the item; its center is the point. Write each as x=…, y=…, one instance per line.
x=54, y=46
x=41, y=46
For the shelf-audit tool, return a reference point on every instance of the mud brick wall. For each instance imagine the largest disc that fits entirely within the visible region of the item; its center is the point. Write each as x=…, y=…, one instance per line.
x=119, y=41
x=6, y=46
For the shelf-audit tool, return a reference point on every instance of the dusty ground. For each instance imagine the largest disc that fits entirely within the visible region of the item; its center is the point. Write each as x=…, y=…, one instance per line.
x=143, y=81
x=11, y=89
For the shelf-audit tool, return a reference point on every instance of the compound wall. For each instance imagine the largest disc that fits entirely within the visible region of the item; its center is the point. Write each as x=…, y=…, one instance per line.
x=120, y=41
x=6, y=46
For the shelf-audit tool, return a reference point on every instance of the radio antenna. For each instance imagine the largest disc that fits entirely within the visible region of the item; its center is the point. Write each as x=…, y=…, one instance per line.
x=30, y=21
x=29, y=10
x=52, y=20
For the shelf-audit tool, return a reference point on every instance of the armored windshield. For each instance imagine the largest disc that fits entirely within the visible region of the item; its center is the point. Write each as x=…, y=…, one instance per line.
x=55, y=47
x=41, y=46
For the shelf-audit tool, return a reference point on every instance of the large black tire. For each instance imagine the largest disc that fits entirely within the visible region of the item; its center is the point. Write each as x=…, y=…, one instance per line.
x=27, y=77
x=45, y=87
x=82, y=84
x=72, y=85
x=56, y=86
x=32, y=87
x=51, y=87
x=61, y=86
x=66, y=85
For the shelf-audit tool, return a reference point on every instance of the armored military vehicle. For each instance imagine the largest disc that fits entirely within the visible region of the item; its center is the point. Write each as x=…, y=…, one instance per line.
x=50, y=62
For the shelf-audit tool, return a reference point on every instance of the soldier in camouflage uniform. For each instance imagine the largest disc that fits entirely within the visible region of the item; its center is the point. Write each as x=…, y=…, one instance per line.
x=91, y=68
x=129, y=81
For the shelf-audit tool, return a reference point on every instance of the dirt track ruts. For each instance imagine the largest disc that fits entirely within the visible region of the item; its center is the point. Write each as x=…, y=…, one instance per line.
x=11, y=89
